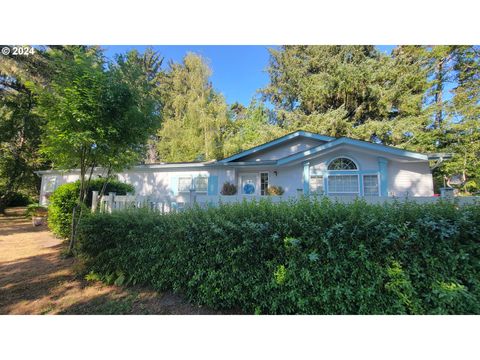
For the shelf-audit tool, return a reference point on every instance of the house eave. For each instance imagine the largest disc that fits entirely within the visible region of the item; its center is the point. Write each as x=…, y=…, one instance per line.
x=275, y=142
x=144, y=167
x=305, y=155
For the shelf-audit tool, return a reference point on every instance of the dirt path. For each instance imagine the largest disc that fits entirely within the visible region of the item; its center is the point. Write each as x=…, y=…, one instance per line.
x=36, y=279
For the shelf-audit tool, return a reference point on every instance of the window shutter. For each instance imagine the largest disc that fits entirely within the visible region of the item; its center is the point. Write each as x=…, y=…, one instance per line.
x=213, y=185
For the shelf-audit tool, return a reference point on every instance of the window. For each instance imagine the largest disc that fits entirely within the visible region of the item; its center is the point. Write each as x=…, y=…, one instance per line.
x=248, y=183
x=316, y=184
x=184, y=184
x=263, y=183
x=51, y=184
x=343, y=184
x=201, y=183
x=370, y=185
x=342, y=164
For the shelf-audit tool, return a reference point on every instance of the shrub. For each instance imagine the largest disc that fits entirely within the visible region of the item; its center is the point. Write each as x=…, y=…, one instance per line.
x=228, y=189
x=65, y=197
x=19, y=199
x=275, y=190
x=297, y=257
x=35, y=210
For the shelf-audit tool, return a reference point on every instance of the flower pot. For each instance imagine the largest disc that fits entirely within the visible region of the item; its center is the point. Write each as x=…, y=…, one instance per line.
x=38, y=220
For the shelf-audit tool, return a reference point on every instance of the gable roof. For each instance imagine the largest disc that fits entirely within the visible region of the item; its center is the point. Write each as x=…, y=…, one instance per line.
x=280, y=140
x=330, y=143
x=358, y=143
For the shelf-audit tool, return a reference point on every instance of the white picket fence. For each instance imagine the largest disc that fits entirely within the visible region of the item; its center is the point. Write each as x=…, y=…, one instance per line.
x=167, y=204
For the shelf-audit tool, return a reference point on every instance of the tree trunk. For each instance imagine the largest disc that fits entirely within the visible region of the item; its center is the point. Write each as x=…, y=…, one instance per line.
x=104, y=187
x=439, y=95
x=84, y=185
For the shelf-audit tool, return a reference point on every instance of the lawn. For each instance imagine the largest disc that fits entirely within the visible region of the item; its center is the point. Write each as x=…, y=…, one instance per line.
x=35, y=278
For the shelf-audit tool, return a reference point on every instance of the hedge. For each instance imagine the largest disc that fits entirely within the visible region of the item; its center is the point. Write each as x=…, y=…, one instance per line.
x=65, y=197
x=297, y=257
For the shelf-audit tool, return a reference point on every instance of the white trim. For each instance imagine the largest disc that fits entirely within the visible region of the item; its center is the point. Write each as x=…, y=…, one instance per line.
x=257, y=183
x=260, y=180
x=378, y=182
x=321, y=175
x=178, y=183
x=342, y=157
x=344, y=192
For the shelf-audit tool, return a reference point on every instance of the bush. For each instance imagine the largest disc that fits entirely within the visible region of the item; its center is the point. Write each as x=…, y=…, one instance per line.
x=65, y=197
x=35, y=210
x=275, y=190
x=228, y=189
x=297, y=257
x=19, y=199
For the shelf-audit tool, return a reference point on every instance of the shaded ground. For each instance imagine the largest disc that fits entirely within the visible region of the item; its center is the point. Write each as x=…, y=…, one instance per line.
x=36, y=279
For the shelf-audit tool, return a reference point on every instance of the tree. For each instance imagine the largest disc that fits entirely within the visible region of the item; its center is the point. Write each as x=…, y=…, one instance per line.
x=20, y=127
x=249, y=127
x=344, y=91
x=94, y=117
x=194, y=115
x=143, y=73
x=463, y=132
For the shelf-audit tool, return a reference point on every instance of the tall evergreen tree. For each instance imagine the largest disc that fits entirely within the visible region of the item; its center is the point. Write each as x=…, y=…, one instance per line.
x=249, y=127
x=346, y=91
x=194, y=114
x=144, y=74
x=20, y=126
x=463, y=133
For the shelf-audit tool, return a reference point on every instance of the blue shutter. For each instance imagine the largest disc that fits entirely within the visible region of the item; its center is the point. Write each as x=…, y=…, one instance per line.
x=383, y=169
x=213, y=185
x=306, y=178
x=174, y=185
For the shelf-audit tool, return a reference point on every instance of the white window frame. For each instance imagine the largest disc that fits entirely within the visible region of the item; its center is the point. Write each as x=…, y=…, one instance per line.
x=344, y=192
x=378, y=183
x=184, y=177
x=260, y=180
x=343, y=157
x=322, y=182
x=195, y=185
x=257, y=183
x=50, y=184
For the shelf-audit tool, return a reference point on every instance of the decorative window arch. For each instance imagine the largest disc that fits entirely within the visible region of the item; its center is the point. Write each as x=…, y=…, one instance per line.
x=342, y=163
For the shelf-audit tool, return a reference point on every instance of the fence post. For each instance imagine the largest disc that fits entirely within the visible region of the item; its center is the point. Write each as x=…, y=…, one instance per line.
x=94, y=200
x=111, y=198
x=447, y=192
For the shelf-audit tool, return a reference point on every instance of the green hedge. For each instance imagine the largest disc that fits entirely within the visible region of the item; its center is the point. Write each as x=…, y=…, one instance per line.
x=297, y=257
x=64, y=198
x=19, y=199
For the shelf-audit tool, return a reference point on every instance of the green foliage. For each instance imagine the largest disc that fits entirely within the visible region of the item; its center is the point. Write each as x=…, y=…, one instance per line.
x=95, y=112
x=193, y=113
x=275, y=190
x=20, y=128
x=20, y=199
x=297, y=257
x=398, y=99
x=333, y=89
x=249, y=127
x=35, y=210
x=228, y=189
x=65, y=198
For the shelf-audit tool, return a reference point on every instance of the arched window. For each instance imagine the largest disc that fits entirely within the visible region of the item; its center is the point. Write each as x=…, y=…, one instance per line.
x=342, y=163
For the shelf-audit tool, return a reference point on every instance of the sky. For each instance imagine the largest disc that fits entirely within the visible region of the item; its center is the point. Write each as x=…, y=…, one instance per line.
x=238, y=71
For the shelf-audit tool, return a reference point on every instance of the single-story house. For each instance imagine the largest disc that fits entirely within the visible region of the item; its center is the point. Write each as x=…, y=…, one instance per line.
x=298, y=162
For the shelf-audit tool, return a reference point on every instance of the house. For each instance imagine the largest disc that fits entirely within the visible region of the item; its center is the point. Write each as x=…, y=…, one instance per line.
x=298, y=162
